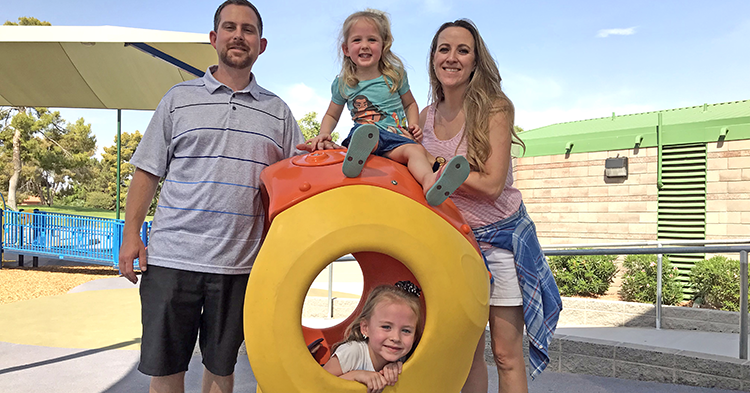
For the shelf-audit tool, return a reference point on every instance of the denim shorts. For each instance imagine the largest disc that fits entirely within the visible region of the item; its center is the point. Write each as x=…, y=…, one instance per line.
x=388, y=140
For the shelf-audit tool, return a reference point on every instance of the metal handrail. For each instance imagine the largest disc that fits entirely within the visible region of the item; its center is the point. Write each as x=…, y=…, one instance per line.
x=644, y=243
x=741, y=249
x=650, y=250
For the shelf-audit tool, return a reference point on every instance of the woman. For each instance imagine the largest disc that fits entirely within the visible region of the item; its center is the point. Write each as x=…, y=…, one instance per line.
x=471, y=116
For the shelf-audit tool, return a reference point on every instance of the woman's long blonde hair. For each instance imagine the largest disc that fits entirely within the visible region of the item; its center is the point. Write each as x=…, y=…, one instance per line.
x=389, y=65
x=483, y=98
x=383, y=293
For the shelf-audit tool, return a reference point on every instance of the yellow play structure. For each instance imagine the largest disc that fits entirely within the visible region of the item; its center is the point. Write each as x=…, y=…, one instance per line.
x=316, y=215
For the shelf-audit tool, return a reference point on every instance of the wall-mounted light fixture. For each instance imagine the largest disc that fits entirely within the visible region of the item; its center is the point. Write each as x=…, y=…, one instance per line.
x=568, y=147
x=723, y=132
x=616, y=167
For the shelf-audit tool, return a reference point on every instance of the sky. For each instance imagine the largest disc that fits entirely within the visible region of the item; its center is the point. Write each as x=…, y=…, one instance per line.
x=559, y=60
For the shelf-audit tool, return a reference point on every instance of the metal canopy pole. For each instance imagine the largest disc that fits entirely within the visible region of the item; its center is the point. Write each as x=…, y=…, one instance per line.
x=117, y=200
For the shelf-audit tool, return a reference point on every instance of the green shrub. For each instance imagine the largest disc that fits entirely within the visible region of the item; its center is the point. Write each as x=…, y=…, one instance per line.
x=99, y=200
x=70, y=200
x=583, y=275
x=639, y=282
x=717, y=283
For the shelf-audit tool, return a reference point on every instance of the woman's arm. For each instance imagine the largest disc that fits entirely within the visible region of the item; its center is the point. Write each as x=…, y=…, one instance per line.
x=491, y=183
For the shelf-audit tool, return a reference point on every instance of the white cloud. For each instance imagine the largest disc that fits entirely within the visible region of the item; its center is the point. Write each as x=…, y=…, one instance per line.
x=604, y=33
x=303, y=99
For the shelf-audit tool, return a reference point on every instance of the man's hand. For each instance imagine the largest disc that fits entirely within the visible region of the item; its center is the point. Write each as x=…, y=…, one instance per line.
x=141, y=192
x=324, y=145
x=317, y=142
x=132, y=248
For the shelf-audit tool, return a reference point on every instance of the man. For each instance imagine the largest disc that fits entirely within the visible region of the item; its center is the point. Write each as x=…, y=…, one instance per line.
x=209, y=139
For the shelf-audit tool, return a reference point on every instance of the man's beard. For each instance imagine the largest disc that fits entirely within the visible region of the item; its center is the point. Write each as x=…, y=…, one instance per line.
x=238, y=63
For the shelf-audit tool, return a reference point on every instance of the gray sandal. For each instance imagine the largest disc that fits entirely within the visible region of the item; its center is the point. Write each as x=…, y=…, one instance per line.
x=363, y=142
x=454, y=173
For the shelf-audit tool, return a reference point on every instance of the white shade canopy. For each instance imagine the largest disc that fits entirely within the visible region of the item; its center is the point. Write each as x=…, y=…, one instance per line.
x=97, y=66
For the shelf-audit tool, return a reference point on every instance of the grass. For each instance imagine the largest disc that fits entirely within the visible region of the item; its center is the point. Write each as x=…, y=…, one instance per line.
x=83, y=211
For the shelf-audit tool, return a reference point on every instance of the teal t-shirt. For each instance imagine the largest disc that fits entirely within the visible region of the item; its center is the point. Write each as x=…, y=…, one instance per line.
x=371, y=102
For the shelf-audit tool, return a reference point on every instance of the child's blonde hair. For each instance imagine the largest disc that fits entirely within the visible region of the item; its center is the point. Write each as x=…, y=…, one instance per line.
x=403, y=292
x=389, y=64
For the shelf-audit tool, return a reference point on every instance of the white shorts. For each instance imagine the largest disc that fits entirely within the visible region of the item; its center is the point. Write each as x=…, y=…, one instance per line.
x=505, y=290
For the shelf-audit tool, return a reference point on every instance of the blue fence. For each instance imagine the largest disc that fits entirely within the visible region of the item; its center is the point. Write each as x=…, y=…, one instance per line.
x=65, y=236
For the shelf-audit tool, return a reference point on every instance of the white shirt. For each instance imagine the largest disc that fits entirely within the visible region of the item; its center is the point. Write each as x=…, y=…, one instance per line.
x=354, y=355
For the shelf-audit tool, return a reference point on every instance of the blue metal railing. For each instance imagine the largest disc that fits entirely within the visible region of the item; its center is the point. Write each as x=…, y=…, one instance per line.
x=65, y=236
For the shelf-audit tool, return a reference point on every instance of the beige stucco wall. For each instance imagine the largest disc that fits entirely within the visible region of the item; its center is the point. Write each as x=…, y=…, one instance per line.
x=728, y=190
x=571, y=201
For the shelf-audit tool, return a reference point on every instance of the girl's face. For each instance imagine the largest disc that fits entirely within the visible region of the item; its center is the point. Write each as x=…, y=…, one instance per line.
x=454, y=59
x=391, y=330
x=364, y=45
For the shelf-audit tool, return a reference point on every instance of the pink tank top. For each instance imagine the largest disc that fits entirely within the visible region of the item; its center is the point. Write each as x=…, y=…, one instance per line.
x=477, y=210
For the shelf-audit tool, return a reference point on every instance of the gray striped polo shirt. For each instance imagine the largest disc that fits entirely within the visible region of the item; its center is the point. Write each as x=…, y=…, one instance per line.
x=210, y=144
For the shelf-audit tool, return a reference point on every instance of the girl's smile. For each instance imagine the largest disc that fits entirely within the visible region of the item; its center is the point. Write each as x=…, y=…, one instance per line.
x=364, y=46
x=391, y=330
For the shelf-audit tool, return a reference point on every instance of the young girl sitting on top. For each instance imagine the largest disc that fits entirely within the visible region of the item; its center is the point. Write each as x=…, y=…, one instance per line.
x=374, y=86
x=381, y=338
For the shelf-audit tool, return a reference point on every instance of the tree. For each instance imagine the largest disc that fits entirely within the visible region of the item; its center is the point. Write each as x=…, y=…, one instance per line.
x=63, y=156
x=517, y=129
x=47, y=155
x=27, y=21
x=310, y=126
x=16, y=139
x=108, y=175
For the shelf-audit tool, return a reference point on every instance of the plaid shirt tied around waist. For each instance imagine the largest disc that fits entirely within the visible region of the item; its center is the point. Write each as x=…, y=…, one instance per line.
x=541, y=298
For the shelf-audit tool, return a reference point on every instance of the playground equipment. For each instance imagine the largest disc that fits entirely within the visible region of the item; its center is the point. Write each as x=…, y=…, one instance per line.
x=316, y=215
x=2, y=224
x=72, y=237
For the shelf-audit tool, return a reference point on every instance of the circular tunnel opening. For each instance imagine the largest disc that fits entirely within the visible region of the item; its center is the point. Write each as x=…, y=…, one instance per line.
x=334, y=294
x=353, y=281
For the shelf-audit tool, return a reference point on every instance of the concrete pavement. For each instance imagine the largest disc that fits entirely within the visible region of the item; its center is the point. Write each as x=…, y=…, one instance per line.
x=88, y=341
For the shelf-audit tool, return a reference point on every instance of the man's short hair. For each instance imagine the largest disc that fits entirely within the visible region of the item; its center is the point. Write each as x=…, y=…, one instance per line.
x=217, y=15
